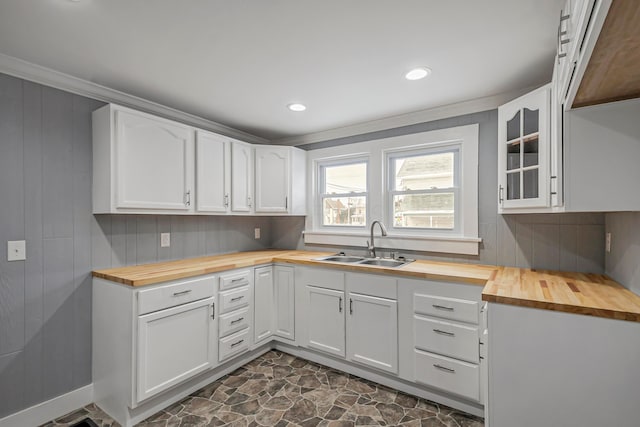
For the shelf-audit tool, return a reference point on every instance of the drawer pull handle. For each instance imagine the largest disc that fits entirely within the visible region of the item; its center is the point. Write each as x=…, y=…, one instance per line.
x=233, y=322
x=442, y=307
x=441, y=332
x=444, y=368
x=237, y=298
x=238, y=280
x=237, y=343
x=177, y=294
x=340, y=305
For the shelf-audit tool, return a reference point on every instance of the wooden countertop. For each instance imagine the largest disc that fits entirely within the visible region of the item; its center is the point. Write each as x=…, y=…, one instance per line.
x=148, y=274
x=589, y=294
x=580, y=293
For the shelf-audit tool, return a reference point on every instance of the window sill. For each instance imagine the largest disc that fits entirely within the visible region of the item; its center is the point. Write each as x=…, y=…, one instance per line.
x=443, y=244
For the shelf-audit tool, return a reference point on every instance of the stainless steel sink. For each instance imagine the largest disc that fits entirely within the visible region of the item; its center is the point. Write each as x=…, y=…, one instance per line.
x=352, y=259
x=383, y=262
x=342, y=258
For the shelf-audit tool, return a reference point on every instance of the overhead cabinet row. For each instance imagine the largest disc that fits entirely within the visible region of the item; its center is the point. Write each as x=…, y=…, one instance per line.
x=555, y=159
x=149, y=165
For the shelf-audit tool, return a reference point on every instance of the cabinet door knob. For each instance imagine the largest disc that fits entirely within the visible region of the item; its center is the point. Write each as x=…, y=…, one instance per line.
x=340, y=305
x=500, y=199
x=350, y=306
x=188, y=198
x=226, y=200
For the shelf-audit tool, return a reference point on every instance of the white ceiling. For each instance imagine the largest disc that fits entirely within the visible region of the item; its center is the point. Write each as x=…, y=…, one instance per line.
x=240, y=62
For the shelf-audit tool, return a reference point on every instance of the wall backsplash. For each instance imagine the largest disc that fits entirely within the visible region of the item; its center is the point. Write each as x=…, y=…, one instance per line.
x=120, y=240
x=569, y=242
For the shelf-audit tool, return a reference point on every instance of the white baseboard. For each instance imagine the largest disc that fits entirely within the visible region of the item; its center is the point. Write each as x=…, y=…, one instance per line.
x=51, y=409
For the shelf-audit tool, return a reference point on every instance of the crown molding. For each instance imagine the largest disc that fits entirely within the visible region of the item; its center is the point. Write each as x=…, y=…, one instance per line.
x=422, y=116
x=48, y=77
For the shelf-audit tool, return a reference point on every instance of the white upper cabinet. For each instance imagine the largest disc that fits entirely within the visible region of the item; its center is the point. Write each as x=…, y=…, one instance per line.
x=213, y=172
x=141, y=163
x=280, y=180
x=241, y=177
x=524, y=152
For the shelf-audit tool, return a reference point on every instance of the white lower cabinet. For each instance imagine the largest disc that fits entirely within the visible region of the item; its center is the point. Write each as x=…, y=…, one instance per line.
x=372, y=332
x=420, y=336
x=284, y=296
x=440, y=337
x=174, y=345
x=235, y=310
x=264, y=304
x=150, y=340
x=325, y=317
x=448, y=374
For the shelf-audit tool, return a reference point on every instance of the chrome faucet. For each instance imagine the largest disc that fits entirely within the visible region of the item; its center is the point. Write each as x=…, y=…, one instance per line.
x=370, y=244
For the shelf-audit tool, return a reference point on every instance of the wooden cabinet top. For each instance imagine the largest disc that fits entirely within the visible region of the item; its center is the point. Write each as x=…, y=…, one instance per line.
x=580, y=293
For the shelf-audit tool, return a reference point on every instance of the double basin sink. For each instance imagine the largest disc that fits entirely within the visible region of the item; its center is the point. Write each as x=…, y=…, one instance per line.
x=380, y=262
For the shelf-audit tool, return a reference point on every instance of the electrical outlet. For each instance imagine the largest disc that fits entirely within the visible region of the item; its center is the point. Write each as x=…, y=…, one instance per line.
x=16, y=250
x=607, y=245
x=165, y=240
x=256, y=232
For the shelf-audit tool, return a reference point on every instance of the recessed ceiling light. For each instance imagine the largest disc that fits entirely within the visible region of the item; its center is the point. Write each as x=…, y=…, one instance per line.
x=297, y=107
x=418, y=73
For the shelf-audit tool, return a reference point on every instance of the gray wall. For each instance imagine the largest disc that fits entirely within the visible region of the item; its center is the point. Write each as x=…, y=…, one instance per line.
x=573, y=242
x=623, y=262
x=45, y=193
x=120, y=240
x=45, y=189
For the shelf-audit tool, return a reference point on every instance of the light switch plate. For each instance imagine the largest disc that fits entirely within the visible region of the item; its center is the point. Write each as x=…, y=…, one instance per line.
x=16, y=250
x=165, y=240
x=256, y=232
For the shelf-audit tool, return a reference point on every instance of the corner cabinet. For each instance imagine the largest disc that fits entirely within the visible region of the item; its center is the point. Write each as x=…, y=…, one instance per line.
x=524, y=148
x=141, y=163
x=280, y=180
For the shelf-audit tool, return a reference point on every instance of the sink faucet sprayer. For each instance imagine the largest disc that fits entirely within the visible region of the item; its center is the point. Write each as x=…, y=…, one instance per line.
x=370, y=244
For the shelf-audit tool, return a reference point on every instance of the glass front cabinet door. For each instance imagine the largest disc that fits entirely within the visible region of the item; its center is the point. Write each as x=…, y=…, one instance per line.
x=523, y=152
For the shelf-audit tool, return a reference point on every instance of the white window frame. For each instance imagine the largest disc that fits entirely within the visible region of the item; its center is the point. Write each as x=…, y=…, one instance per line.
x=391, y=155
x=464, y=240
x=343, y=161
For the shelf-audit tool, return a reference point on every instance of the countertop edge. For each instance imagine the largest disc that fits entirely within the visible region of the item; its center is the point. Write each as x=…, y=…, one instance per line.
x=565, y=308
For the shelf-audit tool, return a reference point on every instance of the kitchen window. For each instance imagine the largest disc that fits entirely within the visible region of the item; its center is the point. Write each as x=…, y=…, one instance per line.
x=343, y=193
x=424, y=189
x=422, y=186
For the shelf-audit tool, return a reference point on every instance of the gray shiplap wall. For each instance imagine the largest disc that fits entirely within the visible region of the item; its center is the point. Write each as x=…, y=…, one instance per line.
x=573, y=242
x=120, y=240
x=623, y=262
x=45, y=188
x=45, y=194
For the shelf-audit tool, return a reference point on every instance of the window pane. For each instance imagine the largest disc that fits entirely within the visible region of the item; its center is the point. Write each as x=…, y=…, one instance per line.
x=424, y=210
x=424, y=172
x=345, y=178
x=344, y=211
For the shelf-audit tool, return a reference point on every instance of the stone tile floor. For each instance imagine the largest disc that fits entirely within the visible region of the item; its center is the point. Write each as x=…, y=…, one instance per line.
x=281, y=390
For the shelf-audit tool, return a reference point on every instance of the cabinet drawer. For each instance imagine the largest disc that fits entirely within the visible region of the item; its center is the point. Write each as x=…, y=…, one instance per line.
x=447, y=308
x=374, y=285
x=233, y=344
x=323, y=278
x=235, y=298
x=454, y=376
x=175, y=294
x=233, y=280
x=234, y=321
x=446, y=338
